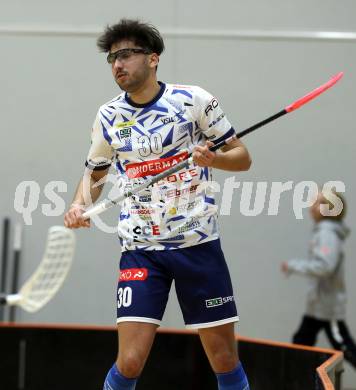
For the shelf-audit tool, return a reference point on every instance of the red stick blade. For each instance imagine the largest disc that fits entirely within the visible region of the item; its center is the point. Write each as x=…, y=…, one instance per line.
x=311, y=95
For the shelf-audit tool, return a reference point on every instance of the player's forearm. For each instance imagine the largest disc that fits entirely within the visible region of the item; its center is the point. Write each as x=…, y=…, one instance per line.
x=88, y=190
x=236, y=159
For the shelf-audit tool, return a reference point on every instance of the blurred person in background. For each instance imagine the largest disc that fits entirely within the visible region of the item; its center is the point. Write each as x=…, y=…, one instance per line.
x=325, y=270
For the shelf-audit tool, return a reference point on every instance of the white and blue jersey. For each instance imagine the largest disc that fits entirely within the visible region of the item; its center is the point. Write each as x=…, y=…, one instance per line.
x=145, y=139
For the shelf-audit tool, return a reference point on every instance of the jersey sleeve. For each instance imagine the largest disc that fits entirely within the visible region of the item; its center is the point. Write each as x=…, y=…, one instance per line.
x=101, y=153
x=211, y=118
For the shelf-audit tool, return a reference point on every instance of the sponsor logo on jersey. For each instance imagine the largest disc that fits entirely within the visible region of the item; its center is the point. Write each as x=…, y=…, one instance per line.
x=144, y=198
x=189, y=226
x=211, y=106
x=184, y=207
x=175, y=193
x=125, y=124
x=180, y=176
x=136, y=211
x=143, y=213
x=125, y=133
x=179, y=237
x=218, y=301
x=133, y=274
x=153, y=167
x=171, y=119
x=186, y=128
x=217, y=120
x=173, y=211
x=148, y=230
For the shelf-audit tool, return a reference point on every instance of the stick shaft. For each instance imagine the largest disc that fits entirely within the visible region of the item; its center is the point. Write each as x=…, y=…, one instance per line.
x=16, y=267
x=4, y=260
x=4, y=254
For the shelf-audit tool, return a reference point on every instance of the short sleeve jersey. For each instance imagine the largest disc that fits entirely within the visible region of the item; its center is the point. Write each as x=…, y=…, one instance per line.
x=144, y=140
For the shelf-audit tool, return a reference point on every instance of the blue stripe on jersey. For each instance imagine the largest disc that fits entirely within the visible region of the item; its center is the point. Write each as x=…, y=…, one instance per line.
x=119, y=167
x=123, y=216
x=117, y=99
x=110, y=122
x=177, y=218
x=204, y=173
x=182, y=137
x=182, y=91
x=169, y=138
x=174, y=151
x=188, y=127
x=156, y=128
x=154, y=107
x=126, y=148
x=142, y=120
x=124, y=118
x=200, y=137
x=106, y=134
x=180, y=117
x=203, y=235
x=138, y=130
x=170, y=244
x=130, y=110
x=209, y=200
x=143, y=248
x=229, y=134
x=158, y=116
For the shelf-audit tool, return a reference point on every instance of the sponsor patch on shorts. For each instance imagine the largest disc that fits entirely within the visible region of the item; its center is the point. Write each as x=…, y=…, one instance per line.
x=218, y=301
x=133, y=274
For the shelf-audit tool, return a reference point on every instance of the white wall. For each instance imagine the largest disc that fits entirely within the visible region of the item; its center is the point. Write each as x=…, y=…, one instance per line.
x=52, y=83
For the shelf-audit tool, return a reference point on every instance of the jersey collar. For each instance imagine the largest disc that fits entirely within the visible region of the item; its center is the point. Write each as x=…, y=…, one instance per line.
x=154, y=100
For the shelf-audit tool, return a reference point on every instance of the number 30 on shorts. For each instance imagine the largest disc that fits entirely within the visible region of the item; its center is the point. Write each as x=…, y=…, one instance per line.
x=124, y=297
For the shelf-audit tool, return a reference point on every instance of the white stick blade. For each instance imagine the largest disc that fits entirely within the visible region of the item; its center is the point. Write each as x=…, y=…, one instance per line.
x=51, y=272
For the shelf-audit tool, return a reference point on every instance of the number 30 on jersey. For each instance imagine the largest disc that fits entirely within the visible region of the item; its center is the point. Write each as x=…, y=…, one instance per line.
x=150, y=144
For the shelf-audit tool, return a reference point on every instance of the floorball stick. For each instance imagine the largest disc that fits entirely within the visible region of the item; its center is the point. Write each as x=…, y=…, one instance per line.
x=108, y=203
x=50, y=274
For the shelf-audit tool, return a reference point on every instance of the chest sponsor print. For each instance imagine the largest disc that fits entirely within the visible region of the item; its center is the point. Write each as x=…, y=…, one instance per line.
x=153, y=167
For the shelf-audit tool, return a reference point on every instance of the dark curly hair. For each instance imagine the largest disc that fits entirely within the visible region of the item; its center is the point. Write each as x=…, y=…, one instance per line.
x=142, y=34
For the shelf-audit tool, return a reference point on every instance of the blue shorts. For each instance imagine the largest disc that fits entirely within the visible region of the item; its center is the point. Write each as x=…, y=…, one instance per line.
x=202, y=283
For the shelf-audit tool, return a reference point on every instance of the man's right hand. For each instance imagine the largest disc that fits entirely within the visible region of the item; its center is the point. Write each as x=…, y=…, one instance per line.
x=73, y=218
